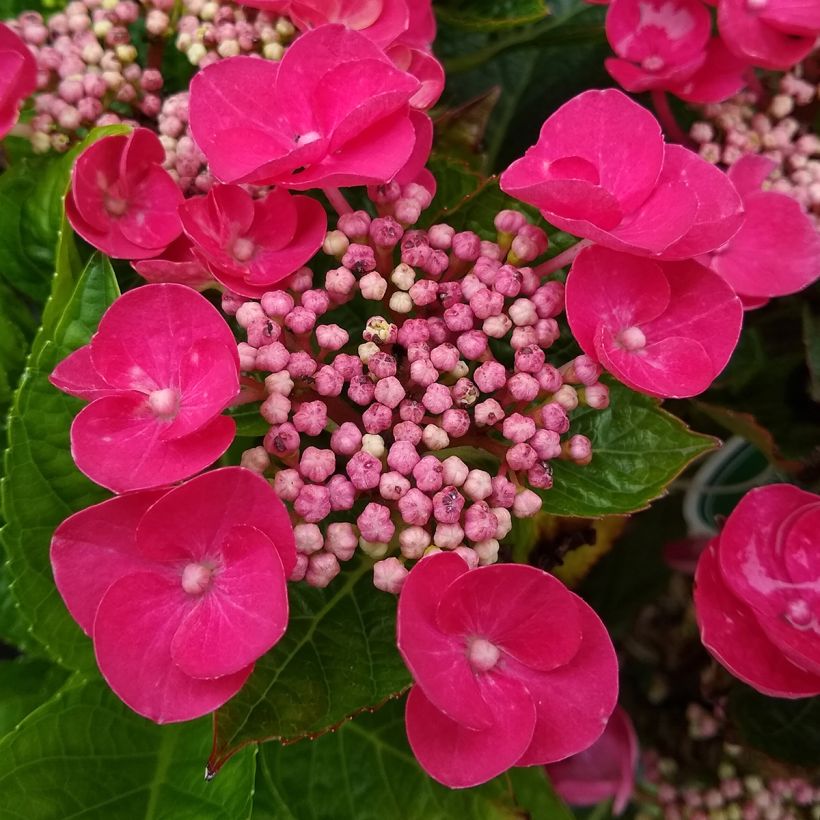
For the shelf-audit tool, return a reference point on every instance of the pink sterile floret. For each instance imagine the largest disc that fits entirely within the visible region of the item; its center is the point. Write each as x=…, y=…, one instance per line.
x=177, y=263
x=18, y=77
x=777, y=249
x=605, y=770
x=121, y=199
x=181, y=591
x=757, y=596
x=600, y=170
x=773, y=34
x=158, y=372
x=335, y=111
x=658, y=42
x=510, y=669
x=249, y=244
x=664, y=328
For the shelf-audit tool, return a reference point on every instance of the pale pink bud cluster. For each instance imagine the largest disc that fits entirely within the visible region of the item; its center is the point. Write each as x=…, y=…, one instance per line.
x=778, y=128
x=364, y=419
x=183, y=159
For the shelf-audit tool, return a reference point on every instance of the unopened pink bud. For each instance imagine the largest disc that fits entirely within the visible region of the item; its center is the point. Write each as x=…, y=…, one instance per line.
x=340, y=283
x=596, y=396
x=355, y=225
x=412, y=410
x=275, y=410
x=413, y=541
x=540, y=475
x=526, y=504
x=277, y=303
x=503, y=493
x=529, y=359
x=328, y=382
x=578, y=449
x=347, y=366
x=415, y=507
x=273, y=357
x=518, y=428
x=488, y=413
x=361, y=390
x=485, y=303
x=386, y=232
x=504, y=519
x=323, y=567
x=373, y=286
x=389, y=392
x=382, y=365
x=521, y=457
x=479, y=522
x=523, y=387
x=491, y=250
x=374, y=523
x=313, y=503
x=567, y=397
x=316, y=301
x=365, y=470
x=487, y=551
x=393, y=485
x=509, y=221
x=582, y=369
x=423, y=292
x=508, y=281
x=407, y=431
x=554, y=417
x=300, y=320
x=423, y=373
x=341, y=540
x=472, y=344
x=440, y=236
x=377, y=418
x=308, y=538
x=287, y=484
x=301, y=365
x=342, y=493
x=247, y=357
x=317, y=465
x=389, y=575
x=311, y=417
x=469, y=556
x=490, y=376
x=456, y=423
x=444, y=357
x=428, y=474
x=523, y=312
x=437, y=398
x=448, y=536
x=549, y=379
x=466, y=246
x=549, y=300
x=280, y=382
x=359, y=259
x=299, y=568
x=255, y=459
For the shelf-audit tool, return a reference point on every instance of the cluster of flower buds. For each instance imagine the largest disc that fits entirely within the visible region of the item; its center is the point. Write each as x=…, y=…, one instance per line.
x=362, y=417
x=210, y=30
x=731, y=130
x=183, y=159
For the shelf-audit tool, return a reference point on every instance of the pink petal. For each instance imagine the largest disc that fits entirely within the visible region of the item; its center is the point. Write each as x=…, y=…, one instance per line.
x=793, y=16
x=177, y=264
x=719, y=207
x=133, y=631
x=720, y=76
x=437, y=661
x=242, y=615
x=425, y=68
x=118, y=444
x=95, y=547
x=730, y=631
x=413, y=169
x=145, y=334
x=460, y=757
x=76, y=375
x=573, y=703
x=750, y=172
x=635, y=79
x=524, y=611
x=196, y=518
x=775, y=252
x=96, y=170
x=797, y=537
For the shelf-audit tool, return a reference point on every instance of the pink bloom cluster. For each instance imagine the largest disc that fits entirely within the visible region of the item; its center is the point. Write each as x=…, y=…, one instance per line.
x=158, y=373
x=667, y=45
x=510, y=669
x=181, y=590
x=18, y=77
x=358, y=417
x=756, y=594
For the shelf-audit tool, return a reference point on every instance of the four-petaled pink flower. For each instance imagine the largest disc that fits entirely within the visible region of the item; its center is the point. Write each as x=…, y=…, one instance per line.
x=510, y=668
x=757, y=597
x=159, y=371
x=777, y=249
x=664, y=328
x=605, y=770
x=180, y=590
x=250, y=244
x=600, y=170
x=121, y=199
x=18, y=77
x=335, y=111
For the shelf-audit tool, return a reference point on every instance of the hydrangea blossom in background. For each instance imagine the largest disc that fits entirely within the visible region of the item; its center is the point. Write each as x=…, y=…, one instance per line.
x=510, y=669
x=158, y=373
x=756, y=594
x=18, y=77
x=180, y=590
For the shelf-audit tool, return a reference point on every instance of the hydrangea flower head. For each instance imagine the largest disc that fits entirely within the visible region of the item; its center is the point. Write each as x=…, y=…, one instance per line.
x=604, y=770
x=122, y=200
x=664, y=328
x=249, y=244
x=756, y=593
x=181, y=591
x=334, y=112
x=510, y=668
x=159, y=372
x=18, y=77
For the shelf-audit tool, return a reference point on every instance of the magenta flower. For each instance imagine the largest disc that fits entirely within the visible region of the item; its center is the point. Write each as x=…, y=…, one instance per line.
x=158, y=372
x=510, y=669
x=18, y=77
x=177, y=263
x=181, y=591
x=659, y=43
x=773, y=34
x=335, y=111
x=605, y=770
x=600, y=170
x=756, y=594
x=719, y=76
x=121, y=199
x=250, y=244
x=666, y=329
x=777, y=249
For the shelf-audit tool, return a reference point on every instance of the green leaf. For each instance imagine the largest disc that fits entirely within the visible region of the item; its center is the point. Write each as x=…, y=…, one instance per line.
x=455, y=180
x=24, y=685
x=337, y=658
x=249, y=423
x=366, y=771
x=84, y=754
x=490, y=15
x=811, y=339
x=42, y=486
x=637, y=450
x=786, y=729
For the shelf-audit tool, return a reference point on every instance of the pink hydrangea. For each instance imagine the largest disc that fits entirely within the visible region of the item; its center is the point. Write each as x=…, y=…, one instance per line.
x=773, y=34
x=756, y=593
x=158, y=373
x=180, y=590
x=777, y=249
x=510, y=669
x=335, y=111
x=18, y=77
x=606, y=770
x=121, y=199
x=249, y=244
x=718, y=77
x=600, y=170
x=177, y=263
x=667, y=329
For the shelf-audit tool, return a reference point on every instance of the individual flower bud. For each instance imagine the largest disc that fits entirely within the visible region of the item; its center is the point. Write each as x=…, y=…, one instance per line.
x=504, y=520
x=335, y=244
x=435, y=438
x=255, y=459
x=323, y=567
x=287, y=484
x=373, y=444
x=375, y=524
x=389, y=575
x=454, y=471
x=448, y=536
x=596, y=396
x=308, y=538
x=578, y=449
x=487, y=551
x=526, y=504
x=341, y=539
x=373, y=286
x=413, y=541
x=313, y=503
x=478, y=485
x=373, y=549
